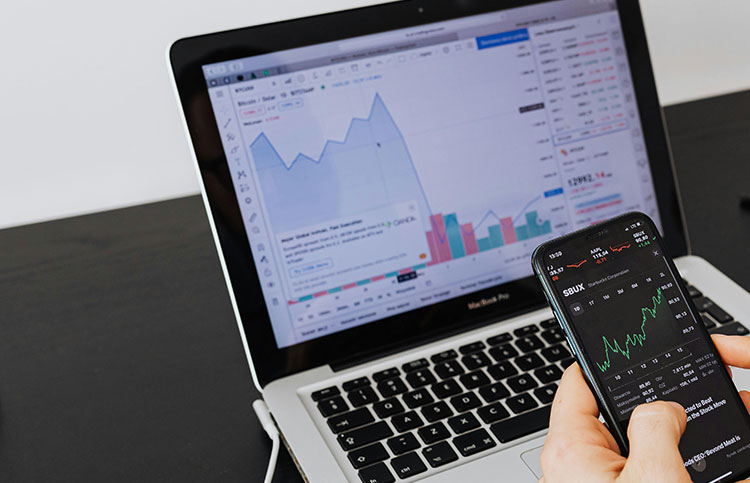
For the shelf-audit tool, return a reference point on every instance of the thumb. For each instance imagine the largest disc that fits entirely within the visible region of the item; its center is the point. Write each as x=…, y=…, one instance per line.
x=654, y=433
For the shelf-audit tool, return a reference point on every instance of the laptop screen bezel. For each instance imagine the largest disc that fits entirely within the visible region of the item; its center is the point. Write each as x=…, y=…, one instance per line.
x=188, y=55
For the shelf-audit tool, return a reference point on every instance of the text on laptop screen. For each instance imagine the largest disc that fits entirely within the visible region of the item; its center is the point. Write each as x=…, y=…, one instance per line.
x=388, y=172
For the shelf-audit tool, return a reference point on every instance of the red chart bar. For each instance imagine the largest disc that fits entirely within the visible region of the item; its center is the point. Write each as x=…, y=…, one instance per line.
x=509, y=233
x=440, y=237
x=470, y=241
x=435, y=256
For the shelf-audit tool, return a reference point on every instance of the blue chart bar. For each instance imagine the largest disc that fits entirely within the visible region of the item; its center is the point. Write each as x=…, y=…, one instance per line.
x=502, y=38
x=453, y=231
x=522, y=233
x=531, y=224
x=496, y=236
x=484, y=244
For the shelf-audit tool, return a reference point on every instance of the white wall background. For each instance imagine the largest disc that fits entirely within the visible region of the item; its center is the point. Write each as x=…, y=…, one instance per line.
x=88, y=120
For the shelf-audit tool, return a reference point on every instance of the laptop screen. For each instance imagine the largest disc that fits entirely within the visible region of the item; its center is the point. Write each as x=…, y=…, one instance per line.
x=384, y=173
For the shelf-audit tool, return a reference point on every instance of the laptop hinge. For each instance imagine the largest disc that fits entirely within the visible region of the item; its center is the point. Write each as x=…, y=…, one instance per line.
x=362, y=358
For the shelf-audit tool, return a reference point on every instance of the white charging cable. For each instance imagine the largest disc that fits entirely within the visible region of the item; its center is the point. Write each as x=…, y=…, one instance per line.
x=264, y=416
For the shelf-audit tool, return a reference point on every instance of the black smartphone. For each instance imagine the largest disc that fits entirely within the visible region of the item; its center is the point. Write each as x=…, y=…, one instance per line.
x=638, y=338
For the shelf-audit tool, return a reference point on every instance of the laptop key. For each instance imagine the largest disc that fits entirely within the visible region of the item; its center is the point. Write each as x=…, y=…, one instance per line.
x=392, y=387
x=548, y=374
x=707, y=321
x=553, y=336
x=693, y=292
x=525, y=331
x=387, y=408
x=735, y=328
x=474, y=379
x=444, y=356
x=530, y=343
x=434, y=412
x=420, y=378
x=499, y=339
x=503, y=352
x=446, y=389
x=555, y=353
x=521, y=403
x=350, y=420
x=403, y=443
x=357, y=438
x=407, y=421
x=408, y=465
x=474, y=442
x=565, y=363
x=719, y=314
x=355, y=383
x=433, y=433
x=519, y=426
x=529, y=361
x=447, y=369
x=522, y=383
x=415, y=365
x=549, y=323
x=386, y=374
x=502, y=370
x=417, y=398
x=476, y=360
x=463, y=422
x=473, y=347
x=333, y=405
x=465, y=402
x=378, y=473
x=325, y=393
x=546, y=394
x=493, y=392
x=493, y=412
x=362, y=396
x=705, y=304
x=439, y=454
x=368, y=455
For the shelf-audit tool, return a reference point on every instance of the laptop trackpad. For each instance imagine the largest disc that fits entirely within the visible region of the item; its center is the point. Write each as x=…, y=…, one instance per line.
x=531, y=458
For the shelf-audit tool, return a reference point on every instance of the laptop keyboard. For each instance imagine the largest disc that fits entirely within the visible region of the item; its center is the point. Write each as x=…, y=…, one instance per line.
x=398, y=422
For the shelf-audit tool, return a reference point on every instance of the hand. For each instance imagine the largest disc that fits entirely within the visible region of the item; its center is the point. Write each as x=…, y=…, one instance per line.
x=580, y=448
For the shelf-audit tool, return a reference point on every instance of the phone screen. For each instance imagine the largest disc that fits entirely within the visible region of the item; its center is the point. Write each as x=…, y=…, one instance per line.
x=641, y=341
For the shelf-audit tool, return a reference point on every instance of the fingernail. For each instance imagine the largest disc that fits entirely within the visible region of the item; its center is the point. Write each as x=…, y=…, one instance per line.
x=676, y=406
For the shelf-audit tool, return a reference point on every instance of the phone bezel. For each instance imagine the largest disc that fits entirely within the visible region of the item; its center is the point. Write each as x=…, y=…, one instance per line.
x=575, y=343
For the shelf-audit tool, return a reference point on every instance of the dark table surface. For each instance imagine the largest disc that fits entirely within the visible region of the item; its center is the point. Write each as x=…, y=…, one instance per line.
x=120, y=358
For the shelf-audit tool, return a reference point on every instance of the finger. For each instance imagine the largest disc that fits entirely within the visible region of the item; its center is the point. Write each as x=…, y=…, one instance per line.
x=654, y=433
x=574, y=404
x=575, y=412
x=733, y=349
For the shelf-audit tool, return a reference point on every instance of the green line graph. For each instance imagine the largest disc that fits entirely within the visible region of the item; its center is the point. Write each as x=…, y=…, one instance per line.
x=634, y=339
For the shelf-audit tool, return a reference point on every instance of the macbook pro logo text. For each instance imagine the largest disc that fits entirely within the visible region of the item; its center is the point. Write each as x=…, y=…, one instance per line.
x=478, y=304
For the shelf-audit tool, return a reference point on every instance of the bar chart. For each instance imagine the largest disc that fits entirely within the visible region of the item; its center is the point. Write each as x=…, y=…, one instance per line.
x=450, y=240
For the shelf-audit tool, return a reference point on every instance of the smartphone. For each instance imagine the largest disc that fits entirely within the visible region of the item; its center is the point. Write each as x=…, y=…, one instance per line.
x=638, y=338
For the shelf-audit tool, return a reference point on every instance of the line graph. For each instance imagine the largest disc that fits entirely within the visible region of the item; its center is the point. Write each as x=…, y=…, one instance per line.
x=620, y=247
x=370, y=167
x=634, y=339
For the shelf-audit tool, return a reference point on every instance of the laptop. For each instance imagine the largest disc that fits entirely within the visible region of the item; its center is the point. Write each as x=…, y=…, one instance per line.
x=376, y=181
